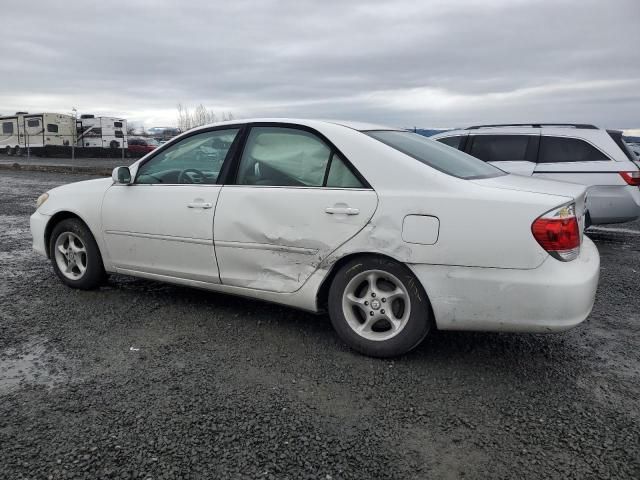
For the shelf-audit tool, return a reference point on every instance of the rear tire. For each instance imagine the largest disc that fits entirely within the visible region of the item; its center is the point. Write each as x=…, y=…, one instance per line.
x=9, y=151
x=75, y=255
x=378, y=307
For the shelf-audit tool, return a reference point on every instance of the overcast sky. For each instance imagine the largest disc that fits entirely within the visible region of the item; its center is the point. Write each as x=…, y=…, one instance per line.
x=411, y=63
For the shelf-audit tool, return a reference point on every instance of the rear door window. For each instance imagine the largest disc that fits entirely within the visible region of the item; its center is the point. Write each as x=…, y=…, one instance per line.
x=278, y=156
x=500, y=148
x=564, y=149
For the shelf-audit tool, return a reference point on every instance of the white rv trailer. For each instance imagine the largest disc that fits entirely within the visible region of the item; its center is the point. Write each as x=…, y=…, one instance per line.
x=10, y=133
x=54, y=133
x=36, y=131
x=98, y=135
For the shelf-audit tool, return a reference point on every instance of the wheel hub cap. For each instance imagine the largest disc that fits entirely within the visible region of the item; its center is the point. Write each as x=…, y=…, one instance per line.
x=376, y=305
x=70, y=255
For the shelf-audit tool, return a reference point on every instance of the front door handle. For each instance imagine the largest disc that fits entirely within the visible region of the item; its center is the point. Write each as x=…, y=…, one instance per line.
x=342, y=211
x=203, y=205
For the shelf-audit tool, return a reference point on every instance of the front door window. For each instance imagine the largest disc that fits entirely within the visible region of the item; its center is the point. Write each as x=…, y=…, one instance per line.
x=195, y=159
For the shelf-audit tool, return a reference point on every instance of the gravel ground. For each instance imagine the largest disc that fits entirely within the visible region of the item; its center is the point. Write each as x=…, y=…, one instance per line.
x=146, y=380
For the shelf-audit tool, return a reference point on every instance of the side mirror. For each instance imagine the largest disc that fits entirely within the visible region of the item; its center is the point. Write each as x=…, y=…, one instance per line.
x=121, y=175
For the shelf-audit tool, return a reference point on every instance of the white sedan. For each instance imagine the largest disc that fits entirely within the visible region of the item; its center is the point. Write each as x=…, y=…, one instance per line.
x=392, y=233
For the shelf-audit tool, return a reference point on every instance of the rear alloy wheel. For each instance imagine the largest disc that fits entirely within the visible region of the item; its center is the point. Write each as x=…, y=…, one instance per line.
x=378, y=307
x=75, y=255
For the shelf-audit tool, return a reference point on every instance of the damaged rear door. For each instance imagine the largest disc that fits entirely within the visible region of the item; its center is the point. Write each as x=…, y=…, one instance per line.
x=295, y=199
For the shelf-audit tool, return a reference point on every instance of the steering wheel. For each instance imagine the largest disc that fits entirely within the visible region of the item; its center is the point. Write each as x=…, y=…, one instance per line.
x=191, y=175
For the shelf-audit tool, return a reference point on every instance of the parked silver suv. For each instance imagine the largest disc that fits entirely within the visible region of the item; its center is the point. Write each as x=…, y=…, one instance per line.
x=574, y=153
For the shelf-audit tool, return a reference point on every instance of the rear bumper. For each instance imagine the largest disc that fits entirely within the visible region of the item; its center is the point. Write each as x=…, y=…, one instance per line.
x=38, y=223
x=553, y=297
x=613, y=204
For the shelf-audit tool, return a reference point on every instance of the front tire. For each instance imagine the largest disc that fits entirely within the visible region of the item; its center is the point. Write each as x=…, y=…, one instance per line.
x=378, y=307
x=75, y=255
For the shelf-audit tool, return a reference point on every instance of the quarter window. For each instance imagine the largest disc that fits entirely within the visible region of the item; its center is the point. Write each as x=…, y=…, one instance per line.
x=451, y=141
x=563, y=149
x=340, y=176
x=52, y=128
x=7, y=128
x=195, y=159
x=500, y=148
x=278, y=156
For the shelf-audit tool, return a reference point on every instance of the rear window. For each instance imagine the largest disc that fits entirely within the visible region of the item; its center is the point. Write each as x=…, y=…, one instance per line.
x=500, y=148
x=451, y=141
x=564, y=149
x=431, y=153
x=617, y=137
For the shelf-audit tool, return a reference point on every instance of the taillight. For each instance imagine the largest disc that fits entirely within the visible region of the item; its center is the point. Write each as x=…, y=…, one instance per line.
x=558, y=232
x=632, y=178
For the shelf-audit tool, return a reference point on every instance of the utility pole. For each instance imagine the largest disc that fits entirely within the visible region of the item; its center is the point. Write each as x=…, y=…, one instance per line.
x=124, y=136
x=73, y=133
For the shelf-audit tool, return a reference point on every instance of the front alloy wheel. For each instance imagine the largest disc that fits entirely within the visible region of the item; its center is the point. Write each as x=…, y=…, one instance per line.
x=71, y=255
x=75, y=255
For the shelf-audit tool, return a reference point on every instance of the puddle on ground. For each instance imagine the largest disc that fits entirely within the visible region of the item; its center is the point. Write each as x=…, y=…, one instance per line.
x=32, y=363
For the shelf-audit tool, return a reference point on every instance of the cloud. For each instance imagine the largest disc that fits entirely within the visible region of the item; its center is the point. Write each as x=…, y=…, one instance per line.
x=403, y=63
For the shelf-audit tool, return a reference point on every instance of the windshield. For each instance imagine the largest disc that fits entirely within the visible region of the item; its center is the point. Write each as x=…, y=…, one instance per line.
x=441, y=157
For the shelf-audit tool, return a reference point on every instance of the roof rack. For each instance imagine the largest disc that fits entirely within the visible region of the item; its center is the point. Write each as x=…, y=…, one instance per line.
x=536, y=125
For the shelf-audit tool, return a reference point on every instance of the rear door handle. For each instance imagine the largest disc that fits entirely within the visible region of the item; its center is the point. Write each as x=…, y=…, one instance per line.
x=342, y=211
x=203, y=205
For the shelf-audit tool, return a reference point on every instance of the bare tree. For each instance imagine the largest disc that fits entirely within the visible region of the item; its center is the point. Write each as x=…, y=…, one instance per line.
x=184, y=118
x=201, y=115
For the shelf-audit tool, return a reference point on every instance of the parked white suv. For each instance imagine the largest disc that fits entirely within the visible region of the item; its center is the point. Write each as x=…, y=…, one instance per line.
x=575, y=153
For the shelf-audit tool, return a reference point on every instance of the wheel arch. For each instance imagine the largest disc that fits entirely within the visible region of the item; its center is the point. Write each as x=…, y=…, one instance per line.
x=56, y=219
x=322, y=297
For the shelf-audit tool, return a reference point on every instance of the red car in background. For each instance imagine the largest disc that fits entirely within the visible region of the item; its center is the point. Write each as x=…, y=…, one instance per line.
x=140, y=146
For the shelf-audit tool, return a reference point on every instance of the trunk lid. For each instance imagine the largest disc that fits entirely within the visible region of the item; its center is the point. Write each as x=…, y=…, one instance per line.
x=565, y=192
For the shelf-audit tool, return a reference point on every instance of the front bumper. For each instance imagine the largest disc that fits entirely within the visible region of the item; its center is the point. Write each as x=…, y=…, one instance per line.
x=553, y=297
x=38, y=223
